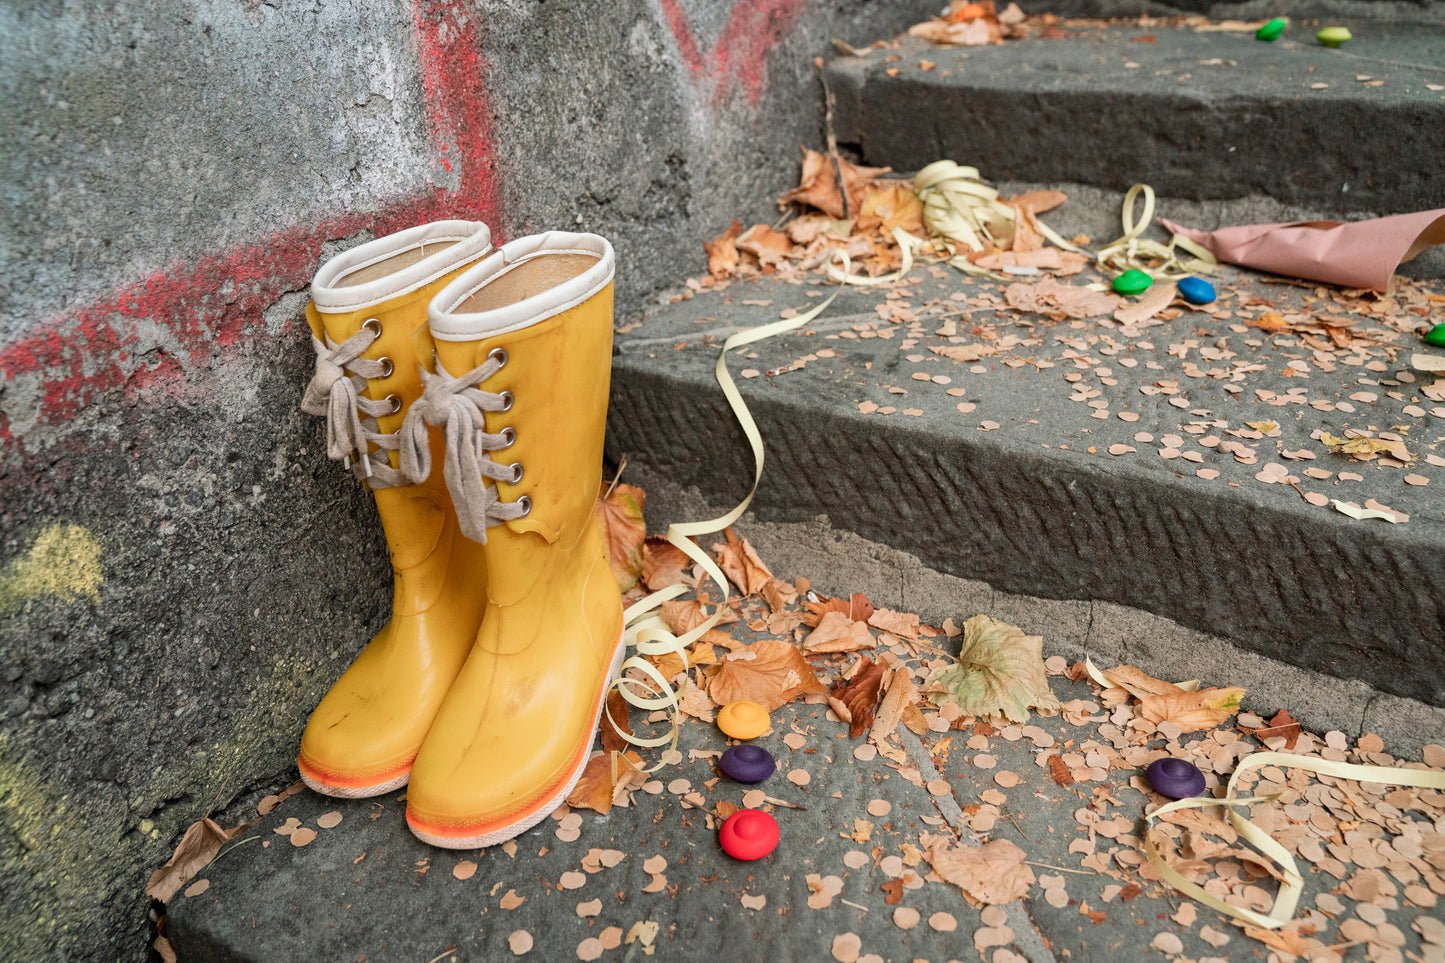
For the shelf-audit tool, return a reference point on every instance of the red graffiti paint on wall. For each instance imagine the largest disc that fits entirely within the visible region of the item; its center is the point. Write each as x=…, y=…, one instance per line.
x=739, y=57
x=187, y=311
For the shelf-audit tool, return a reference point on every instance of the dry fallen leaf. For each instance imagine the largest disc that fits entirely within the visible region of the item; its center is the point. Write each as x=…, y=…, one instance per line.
x=902, y=624
x=619, y=518
x=857, y=608
x=722, y=252
x=856, y=699
x=663, y=563
x=1282, y=725
x=818, y=186
x=1192, y=711
x=993, y=873
x=740, y=561
x=202, y=840
x=772, y=674
x=594, y=787
x=838, y=633
x=899, y=693
x=999, y=671
x=1059, y=300
x=615, y=710
x=767, y=245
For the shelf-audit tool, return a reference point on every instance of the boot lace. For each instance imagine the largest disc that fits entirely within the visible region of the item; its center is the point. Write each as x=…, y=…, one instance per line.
x=458, y=407
x=335, y=391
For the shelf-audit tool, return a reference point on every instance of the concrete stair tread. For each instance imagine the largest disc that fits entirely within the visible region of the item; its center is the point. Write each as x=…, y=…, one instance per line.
x=1197, y=114
x=1038, y=505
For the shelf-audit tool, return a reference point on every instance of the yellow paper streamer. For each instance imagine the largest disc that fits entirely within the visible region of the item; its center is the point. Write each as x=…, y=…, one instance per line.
x=1132, y=251
x=644, y=629
x=1292, y=885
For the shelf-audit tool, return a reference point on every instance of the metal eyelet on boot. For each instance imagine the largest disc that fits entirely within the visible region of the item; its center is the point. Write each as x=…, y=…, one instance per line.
x=508, y=399
x=509, y=438
x=500, y=356
x=386, y=366
x=395, y=403
x=526, y=502
x=373, y=325
x=516, y=467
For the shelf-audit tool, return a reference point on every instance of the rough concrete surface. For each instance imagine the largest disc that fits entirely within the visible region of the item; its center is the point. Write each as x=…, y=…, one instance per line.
x=1073, y=628
x=182, y=571
x=577, y=886
x=1195, y=114
x=1088, y=462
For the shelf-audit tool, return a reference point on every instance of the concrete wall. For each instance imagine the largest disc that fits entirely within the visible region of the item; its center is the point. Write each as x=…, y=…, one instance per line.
x=182, y=572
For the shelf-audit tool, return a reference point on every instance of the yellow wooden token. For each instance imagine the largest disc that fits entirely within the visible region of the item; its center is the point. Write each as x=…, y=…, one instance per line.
x=743, y=720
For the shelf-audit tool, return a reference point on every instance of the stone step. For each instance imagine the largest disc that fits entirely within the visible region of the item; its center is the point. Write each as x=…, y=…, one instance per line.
x=1196, y=114
x=1080, y=460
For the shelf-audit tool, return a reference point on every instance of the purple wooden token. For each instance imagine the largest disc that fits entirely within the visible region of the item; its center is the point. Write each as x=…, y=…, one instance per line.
x=1175, y=778
x=747, y=763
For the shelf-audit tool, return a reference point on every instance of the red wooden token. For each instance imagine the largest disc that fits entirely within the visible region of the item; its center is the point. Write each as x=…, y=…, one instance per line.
x=749, y=834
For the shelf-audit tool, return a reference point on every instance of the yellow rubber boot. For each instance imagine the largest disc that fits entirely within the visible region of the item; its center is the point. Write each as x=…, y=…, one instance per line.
x=367, y=305
x=523, y=346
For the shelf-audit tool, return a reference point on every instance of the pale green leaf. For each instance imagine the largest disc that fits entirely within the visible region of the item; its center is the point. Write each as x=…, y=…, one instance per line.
x=1000, y=671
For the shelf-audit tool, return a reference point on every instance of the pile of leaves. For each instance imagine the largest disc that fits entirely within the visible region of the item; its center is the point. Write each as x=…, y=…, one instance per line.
x=841, y=206
x=876, y=668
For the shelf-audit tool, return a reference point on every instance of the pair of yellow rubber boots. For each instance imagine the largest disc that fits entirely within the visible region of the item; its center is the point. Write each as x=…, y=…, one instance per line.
x=468, y=388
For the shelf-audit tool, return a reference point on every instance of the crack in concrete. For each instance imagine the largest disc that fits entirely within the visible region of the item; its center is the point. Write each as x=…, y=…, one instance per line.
x=1026, y=935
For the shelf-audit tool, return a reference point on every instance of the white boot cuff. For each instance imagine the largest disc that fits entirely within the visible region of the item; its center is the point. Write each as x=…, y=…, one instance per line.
x=397, y=264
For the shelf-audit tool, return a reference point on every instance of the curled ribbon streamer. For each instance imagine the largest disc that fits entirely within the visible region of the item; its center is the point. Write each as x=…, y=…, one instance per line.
x=1292, y=886
x=1131, y=250
x=644, y=631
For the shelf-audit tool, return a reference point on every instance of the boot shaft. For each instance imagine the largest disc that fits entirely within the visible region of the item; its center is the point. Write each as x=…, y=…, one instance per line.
x=537, y=315
x=383, y=288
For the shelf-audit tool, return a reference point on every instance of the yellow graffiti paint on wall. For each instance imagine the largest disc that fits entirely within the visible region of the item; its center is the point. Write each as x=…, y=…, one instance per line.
x=64, y=562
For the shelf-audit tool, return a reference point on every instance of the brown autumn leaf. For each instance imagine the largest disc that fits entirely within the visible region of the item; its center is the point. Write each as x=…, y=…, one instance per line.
x=694, y=701
x=856, y=699
x=778, y=594
x=769, y=672
x=1059, y=771
x=663, y=564
x=836, y=632
x=594, y=788
x=202, y=840
x=1192, y=711
x=818, y=186
x=893, y=891
x=1037, y=202
x=896, y=206
x=722, y=252
x=616, y=711
x=1156, y=299
x=1057, y=299
x=965, y=352
x=684, y=615
x=1047, y=259
x=857, y=608
x=740, y=561
x=1137, y=682
x=994, y=873
x=619, y=518
x=769, y=246
x=1283, y=724
x=902, y=624
x=899, y=693
x=1271, y=321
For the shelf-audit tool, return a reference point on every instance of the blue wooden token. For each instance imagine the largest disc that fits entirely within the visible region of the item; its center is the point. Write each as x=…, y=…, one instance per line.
x=1196, y=290
x=1175, y=778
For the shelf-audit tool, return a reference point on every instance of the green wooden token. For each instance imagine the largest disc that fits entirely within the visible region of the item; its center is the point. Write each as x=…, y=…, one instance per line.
x=1132, y=281
x=1271, y=30
x=1435, y=336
